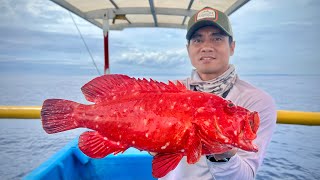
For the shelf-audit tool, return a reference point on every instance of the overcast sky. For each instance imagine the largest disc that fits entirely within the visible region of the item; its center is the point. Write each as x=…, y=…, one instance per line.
x=39, y=37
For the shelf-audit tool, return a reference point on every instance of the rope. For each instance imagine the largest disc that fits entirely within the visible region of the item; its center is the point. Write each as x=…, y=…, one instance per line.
x=85, y=44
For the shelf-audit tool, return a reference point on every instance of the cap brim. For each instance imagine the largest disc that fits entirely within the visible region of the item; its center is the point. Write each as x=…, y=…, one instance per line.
x=201, y=24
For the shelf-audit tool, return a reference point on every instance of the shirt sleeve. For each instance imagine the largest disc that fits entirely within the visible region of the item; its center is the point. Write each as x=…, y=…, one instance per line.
x=244, y=165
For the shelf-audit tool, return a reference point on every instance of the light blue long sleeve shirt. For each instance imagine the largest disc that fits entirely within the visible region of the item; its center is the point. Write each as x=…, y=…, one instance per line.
x=244, y=165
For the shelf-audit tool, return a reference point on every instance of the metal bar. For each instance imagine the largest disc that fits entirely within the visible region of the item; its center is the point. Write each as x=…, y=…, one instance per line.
x=114, y=4
x=20, y=112
x=106, y=54
x=189, y=7
x=136, y=25
x=298, y=117
x=98, y=14
x=106, y=44
x=283, y=116
x=76, y=11
x=238, y=4
x=153, y=12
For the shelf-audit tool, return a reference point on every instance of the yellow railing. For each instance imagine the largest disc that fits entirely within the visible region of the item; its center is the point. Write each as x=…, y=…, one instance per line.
x=20, y=112
x=284, y=117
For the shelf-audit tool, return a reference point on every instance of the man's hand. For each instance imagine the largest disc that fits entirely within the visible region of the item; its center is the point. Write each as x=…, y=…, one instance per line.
x=218, y=157
x=227, y=154
x=152, y=153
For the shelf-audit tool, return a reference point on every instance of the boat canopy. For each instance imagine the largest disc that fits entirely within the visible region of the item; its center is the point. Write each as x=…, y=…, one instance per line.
x=120, y=14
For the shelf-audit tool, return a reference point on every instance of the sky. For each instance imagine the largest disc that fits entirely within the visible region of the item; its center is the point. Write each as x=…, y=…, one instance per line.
x=38, y=37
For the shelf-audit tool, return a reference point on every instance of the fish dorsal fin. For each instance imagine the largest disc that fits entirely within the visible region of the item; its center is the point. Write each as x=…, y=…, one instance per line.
x=115, y=86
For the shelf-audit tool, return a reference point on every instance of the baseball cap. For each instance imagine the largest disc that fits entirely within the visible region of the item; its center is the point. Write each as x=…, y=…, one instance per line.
x=209, y=17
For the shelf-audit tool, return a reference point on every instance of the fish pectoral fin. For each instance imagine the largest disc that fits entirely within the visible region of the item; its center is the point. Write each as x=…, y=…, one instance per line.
x=163, y=163
x=95, y=145
x=194, y=150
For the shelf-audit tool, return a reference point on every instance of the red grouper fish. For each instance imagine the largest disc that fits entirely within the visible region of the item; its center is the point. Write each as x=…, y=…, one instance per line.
x=152, y=116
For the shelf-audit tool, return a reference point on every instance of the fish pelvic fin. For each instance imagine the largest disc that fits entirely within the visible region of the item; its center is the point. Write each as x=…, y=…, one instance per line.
x=163, y=163
x=95, y=145
x=56, y=115
x=111, y=87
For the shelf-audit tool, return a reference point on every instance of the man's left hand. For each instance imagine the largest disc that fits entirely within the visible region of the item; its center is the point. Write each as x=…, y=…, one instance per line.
x=227, y=154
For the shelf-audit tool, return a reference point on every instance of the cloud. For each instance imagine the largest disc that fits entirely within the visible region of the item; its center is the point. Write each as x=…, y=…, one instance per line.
x=43, y=16
x=165, y=59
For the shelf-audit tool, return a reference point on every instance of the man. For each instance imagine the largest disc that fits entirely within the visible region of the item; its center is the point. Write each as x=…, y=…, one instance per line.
x=210, y=45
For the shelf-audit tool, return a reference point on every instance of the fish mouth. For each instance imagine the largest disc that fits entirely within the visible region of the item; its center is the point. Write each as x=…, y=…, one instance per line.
x=254, y=122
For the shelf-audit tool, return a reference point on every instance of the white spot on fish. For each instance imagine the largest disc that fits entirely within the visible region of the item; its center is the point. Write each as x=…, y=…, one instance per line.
x=235, y=132
x=171, y=107
x=96, y=118
x=125, y=110
x=141, y=109
x=105, y=138
x=165, y=146
x=207, y=123
x=75, y=123
x=201, y=109
x=226, y=140
x=147, y=135
x=200, y=97
x=120, y=136
x=169, y=123
x=133, y=142
x=182, y=150
x=185, y=105
x=119, y=125
x=160, y=101
x=145, y=121
x=114, y=98
x=188, y=98
x=118, y=143
x=97, y=126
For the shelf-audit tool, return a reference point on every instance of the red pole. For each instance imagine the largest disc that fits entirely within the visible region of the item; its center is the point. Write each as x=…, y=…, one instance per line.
x=106, y=53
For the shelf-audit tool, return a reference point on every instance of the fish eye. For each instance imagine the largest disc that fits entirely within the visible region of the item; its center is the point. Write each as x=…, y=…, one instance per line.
x=230, y=104
x=230, y=107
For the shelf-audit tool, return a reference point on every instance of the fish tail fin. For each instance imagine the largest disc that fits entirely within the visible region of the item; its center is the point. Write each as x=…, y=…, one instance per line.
x=57, y=115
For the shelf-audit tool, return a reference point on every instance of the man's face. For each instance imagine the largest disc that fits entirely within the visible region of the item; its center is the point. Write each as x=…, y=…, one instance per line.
x=209, y=51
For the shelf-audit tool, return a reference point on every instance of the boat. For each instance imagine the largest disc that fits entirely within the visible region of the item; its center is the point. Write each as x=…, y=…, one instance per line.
x=70, y=162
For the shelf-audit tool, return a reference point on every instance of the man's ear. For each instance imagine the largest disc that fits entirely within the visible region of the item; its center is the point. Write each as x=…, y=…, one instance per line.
x=232, y=47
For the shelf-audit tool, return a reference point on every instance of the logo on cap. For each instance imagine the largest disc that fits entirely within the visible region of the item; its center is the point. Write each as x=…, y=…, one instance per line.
x=207, y=14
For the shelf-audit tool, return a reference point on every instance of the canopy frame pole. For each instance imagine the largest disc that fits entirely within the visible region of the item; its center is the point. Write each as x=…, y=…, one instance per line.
x=105, y=27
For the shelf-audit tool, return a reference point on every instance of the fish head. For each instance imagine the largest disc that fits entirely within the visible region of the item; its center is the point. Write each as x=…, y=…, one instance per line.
x=228, y=124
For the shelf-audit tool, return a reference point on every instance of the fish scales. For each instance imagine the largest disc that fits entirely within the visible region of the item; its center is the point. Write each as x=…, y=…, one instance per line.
x=164, y=118
x=159, y=122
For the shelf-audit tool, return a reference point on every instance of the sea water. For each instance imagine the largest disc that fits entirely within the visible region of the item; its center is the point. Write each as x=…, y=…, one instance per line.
x=293, y=154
